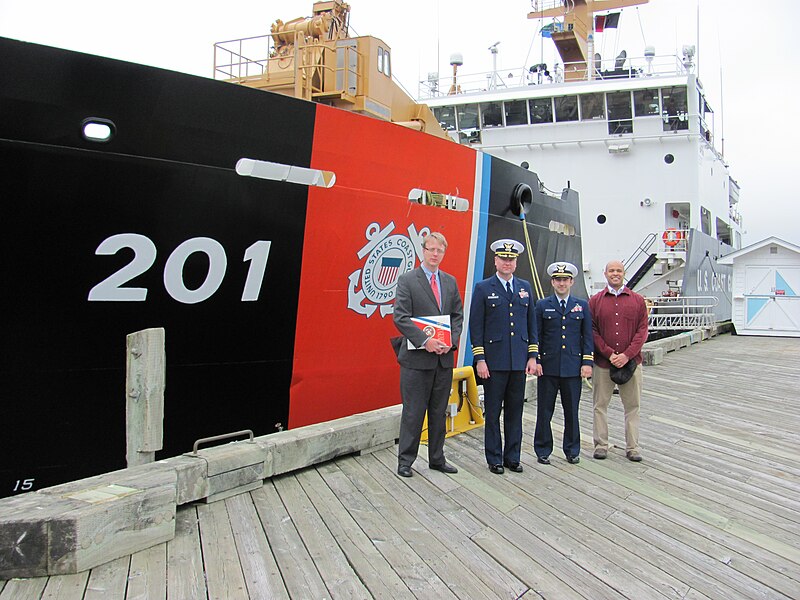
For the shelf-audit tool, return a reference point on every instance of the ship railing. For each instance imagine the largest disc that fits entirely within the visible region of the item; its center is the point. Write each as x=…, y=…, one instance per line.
x=676, y=313
x=522, y=77
x=672, y=239
x=243, y=60
x=642, y=249
x=236, y=59
x=544, y=5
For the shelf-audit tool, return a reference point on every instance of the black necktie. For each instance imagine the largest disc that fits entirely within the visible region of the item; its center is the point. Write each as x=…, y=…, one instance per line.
x=563, y=306
x=508, y=288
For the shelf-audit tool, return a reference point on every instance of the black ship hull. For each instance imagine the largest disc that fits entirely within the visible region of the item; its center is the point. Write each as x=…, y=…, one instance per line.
x=273, y=294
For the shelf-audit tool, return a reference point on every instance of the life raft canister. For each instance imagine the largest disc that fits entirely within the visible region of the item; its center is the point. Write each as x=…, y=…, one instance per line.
x=671, y=237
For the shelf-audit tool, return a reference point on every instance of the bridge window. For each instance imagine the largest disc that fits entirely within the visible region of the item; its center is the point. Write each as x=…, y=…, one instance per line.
x=468, y=127
x=706, y=117
x=384, y=62
x=619, y=113
x=566, y=108
x=467, y=116
x=491, y=114
x=542, y=110
x=592, y=106
x=645, y=103
x=724, y=232
x=516, y=112
x=675, y=112
x=446, y=115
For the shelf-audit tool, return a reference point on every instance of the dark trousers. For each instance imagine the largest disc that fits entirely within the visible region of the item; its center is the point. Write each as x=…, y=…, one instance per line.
x=570, y=389
x=503, y=390
x=423, y=390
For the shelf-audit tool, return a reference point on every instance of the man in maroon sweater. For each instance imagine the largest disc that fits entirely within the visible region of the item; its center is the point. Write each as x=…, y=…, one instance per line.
x=619, y=324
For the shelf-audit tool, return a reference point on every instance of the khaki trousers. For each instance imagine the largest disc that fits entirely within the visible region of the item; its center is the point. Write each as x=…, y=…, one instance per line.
x=630, y=393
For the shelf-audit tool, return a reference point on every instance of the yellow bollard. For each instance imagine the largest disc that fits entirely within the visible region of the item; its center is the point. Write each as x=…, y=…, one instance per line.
x=463, y=409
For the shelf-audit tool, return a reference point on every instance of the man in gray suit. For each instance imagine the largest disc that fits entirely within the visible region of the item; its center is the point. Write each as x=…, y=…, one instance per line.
x=426, y=373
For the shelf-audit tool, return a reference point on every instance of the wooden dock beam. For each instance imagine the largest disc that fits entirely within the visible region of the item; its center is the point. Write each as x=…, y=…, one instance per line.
x=145, y=382
x=76, y=526
x=653, y=352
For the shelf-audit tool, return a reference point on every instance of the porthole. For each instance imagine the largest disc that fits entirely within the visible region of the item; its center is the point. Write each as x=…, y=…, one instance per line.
x=601, y=219
x=95, y=129
x=669, y=159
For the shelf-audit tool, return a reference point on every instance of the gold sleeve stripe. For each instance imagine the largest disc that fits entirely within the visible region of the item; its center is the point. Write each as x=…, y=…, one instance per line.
x=478, y=350
x=588, y=357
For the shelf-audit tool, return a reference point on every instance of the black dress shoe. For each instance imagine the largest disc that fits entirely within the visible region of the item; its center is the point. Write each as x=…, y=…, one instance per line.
x=497, y=469
x=404, y=471
x=444, y=468
x=573, y=460
x=516, y=467
x=543, y=460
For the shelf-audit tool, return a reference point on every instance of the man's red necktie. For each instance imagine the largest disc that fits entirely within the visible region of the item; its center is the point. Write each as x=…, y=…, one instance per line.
x=435, y=289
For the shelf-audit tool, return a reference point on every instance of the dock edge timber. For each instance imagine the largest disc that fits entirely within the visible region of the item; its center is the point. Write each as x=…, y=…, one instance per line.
x=653, y=352
x=76, y=526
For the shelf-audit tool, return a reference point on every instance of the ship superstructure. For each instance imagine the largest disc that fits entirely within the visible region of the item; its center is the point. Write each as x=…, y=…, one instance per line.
x=637, y=136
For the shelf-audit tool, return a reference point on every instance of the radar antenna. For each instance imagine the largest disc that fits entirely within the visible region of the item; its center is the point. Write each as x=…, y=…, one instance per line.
x=494, y=78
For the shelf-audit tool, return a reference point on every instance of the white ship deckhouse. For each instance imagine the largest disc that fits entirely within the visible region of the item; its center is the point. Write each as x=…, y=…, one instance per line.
x=636, y=135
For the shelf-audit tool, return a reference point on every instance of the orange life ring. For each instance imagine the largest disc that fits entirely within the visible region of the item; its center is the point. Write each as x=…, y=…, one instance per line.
x=671, y=237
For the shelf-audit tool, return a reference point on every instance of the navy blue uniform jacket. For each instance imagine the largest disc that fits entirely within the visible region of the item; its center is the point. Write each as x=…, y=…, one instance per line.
x=566, y=342
x=502, y=327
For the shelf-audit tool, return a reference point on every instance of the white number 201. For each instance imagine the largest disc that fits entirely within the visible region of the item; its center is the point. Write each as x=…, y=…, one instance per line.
x=112, y=289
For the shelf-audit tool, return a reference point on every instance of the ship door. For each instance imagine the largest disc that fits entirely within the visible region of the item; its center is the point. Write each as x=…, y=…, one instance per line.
x=677, y=215
x=771, y=300
x=347, y=66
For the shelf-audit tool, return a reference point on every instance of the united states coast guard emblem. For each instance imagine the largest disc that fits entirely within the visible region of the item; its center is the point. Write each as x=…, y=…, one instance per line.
x=373, y=287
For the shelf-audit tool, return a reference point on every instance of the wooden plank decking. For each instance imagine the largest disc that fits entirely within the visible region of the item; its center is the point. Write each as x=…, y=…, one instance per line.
x=713, y=511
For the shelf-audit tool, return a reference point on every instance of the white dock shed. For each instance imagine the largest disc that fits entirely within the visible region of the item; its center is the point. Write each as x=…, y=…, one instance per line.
x=766, y=283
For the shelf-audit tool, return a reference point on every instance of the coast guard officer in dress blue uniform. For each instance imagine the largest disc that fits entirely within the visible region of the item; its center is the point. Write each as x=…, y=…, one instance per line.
x=502, y=327
x=566, y=344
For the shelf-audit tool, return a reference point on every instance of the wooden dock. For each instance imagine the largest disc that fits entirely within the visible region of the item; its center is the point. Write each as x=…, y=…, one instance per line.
x=713, y=511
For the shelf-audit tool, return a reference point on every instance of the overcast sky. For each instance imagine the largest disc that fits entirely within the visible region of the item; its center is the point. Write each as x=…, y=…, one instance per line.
x=748, y=54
